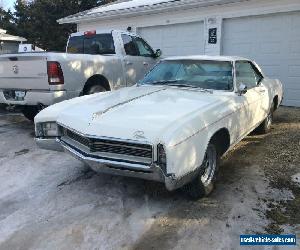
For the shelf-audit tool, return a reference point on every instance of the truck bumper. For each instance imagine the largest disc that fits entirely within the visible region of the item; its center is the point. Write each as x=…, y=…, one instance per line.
x=33, y=98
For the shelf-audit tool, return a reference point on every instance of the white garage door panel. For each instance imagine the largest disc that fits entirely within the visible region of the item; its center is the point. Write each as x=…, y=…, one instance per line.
x=177, y=39
x=273, y=41
x=294, y=70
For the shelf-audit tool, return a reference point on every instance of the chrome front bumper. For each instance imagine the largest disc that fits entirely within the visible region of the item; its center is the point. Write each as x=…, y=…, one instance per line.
x=115, y=167
x=50, y=144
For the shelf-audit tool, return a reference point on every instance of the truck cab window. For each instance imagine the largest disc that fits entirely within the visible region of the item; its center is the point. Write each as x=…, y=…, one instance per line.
x=75, y=45
x=100, y=44
x=143, y=47
x=129, y=45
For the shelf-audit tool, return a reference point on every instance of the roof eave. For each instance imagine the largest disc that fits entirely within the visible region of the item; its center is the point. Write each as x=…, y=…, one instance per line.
x=10, y=39
x=6, y=37
x=144, y=10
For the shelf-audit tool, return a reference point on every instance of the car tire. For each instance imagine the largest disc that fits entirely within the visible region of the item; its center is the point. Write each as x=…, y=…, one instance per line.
x=204, y=183
x=30, y=112
x=95, y=88
x=265, y=127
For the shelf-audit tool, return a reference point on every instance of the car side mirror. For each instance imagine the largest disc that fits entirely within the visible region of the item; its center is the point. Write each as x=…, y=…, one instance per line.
x=242, y=89
x=157, y=53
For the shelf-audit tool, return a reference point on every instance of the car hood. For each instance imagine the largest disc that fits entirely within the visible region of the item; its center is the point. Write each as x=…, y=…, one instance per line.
x=136, y=113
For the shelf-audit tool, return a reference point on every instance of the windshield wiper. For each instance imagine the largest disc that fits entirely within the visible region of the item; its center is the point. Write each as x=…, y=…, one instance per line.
x=166, y=82
x=192, y=86
x=180, y=85
x=211, y=91
x=183, y=85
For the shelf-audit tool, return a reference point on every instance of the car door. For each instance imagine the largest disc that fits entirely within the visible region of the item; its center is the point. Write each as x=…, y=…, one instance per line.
x=263, y=91
x=251, y=100
x=138, y=58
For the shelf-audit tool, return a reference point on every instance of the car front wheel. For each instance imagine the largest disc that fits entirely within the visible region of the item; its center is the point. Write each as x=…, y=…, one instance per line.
x=204, y=183
x=265, y=127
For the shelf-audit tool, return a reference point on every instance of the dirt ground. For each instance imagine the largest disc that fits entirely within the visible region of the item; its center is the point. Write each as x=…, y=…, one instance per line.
x=51, y=201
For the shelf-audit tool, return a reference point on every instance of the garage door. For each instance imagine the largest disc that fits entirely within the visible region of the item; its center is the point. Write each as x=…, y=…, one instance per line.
x=273, y=41
x=177, y=39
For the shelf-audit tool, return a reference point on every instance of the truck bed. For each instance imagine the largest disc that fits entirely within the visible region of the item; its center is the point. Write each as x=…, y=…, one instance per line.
x=26, y=71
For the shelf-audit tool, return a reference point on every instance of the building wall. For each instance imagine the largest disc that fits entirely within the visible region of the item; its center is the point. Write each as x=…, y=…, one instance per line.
x=205, y=14
x=9, y=47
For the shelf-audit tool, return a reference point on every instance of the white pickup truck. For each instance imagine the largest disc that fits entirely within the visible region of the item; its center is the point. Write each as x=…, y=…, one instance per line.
x=95, y=61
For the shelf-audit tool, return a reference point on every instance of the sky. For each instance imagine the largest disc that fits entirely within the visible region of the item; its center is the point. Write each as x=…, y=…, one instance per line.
x=7, y=4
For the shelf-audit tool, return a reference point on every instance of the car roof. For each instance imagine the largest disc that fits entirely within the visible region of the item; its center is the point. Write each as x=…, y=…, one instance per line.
x=210, y=58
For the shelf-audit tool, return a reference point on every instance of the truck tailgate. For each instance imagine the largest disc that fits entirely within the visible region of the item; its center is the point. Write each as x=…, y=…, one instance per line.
x=23, y=72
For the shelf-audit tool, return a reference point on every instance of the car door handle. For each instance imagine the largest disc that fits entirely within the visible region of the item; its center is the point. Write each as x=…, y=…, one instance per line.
x=262, y=91
x=146, y=64
x=128, y=63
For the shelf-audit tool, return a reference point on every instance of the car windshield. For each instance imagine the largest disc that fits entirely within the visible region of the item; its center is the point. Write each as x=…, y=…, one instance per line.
x=206, y=74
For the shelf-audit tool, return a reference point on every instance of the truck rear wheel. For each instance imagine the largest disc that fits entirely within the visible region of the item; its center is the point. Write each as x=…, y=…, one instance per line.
x=95, y=88
x=30, y=112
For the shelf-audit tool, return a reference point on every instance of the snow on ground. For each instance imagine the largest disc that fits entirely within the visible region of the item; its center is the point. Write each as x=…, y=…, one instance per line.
x=49, y=200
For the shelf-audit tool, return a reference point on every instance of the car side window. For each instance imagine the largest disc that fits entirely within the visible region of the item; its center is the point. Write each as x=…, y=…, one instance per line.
x=246, y=74
x=143, y=48
x=129, y=45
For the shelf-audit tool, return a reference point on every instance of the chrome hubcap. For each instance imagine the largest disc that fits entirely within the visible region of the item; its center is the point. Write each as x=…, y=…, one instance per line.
x=269, y=120
x=209, y=166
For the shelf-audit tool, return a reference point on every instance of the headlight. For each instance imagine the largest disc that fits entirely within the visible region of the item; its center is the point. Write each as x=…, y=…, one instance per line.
x=46, y=129
x=162, y=157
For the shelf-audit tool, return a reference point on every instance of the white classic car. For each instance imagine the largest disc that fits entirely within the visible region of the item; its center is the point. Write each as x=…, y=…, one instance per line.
x=172, y=127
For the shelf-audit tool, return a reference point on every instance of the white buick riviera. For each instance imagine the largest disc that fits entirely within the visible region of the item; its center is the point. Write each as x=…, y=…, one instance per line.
x=172, y=127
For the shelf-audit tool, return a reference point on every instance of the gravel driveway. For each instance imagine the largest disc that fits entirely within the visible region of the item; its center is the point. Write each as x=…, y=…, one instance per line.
x=51, y=201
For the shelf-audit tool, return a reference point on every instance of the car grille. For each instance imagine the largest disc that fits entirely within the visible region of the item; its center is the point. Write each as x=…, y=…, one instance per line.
x=121, y=148
x=76, y=137
x=112, y=147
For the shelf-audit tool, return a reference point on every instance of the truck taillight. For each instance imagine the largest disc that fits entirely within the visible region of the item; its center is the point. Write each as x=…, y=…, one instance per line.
x=90, y=33
x=55, y=73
